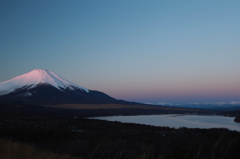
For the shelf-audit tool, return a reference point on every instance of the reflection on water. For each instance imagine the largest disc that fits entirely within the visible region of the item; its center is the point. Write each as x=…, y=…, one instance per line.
x=176, y=121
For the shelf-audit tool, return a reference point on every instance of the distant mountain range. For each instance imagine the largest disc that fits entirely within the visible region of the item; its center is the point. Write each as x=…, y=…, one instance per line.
x=42, y=86
x=234, y=105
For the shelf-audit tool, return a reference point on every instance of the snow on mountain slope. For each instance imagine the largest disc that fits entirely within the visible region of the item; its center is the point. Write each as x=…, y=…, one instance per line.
x=35, y=77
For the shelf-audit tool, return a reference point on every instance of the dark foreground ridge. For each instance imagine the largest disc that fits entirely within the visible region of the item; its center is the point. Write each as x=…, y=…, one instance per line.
x=66, y=132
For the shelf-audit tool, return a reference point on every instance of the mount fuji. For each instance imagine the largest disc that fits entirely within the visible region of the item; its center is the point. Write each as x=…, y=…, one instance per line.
x=42, y=86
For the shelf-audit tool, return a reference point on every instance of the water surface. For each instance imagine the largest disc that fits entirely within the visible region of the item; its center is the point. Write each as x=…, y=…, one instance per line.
x=176, y=121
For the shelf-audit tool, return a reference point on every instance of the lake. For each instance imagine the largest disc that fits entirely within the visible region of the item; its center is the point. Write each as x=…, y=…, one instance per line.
x=178, y=120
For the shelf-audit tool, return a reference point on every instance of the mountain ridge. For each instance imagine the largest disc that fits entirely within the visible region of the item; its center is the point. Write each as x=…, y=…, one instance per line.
x=42, y=86
x=34, y=78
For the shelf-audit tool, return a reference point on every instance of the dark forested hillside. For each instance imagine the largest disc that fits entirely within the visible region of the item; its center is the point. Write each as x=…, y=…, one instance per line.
x=65, y=132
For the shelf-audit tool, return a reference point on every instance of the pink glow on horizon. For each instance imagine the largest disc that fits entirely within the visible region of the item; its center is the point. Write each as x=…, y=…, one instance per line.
x=177, y=90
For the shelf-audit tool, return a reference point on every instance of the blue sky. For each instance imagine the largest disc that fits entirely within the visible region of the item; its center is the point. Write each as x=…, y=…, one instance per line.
x=146, y=51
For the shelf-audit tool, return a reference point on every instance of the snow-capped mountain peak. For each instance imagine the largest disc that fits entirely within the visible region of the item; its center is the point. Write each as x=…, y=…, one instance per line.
x=35, y=77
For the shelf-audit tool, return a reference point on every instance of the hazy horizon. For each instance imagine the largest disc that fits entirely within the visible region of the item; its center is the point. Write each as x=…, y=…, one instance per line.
x=144, y=51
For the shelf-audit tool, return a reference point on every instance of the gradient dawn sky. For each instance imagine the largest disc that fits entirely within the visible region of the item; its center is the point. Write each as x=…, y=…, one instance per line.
x=151, y=51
